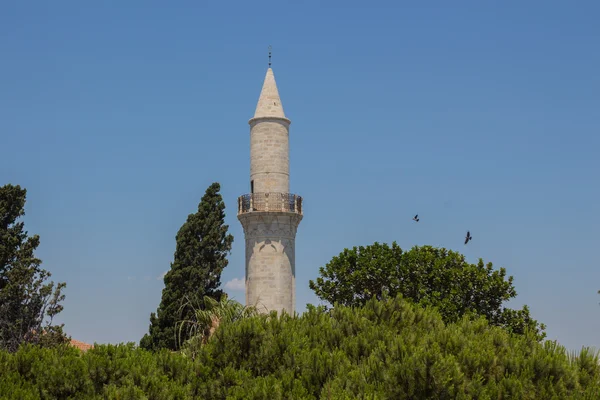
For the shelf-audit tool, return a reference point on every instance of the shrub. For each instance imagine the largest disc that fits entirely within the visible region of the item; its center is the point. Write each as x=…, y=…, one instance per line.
x=385, y=349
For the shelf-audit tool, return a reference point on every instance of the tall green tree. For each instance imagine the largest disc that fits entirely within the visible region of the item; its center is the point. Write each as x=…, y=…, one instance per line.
x=200, y=256
x=427, y=276
x=28, y=303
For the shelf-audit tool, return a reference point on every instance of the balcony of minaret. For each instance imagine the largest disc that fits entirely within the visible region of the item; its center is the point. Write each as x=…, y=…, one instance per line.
x=270, y=202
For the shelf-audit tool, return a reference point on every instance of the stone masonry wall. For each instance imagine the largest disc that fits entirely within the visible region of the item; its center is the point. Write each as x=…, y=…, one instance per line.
x=270, y=260
x=269, y=155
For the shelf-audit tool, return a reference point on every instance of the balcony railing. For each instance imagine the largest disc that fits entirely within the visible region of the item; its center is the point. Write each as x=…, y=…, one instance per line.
x=271, y=202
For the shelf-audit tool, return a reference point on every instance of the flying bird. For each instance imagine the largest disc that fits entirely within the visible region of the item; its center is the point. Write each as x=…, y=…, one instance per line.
x=469, y=237
x=416, y=218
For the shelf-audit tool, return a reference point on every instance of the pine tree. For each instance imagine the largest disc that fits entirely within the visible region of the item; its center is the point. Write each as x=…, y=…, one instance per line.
x=27, y=302
x=200, y=257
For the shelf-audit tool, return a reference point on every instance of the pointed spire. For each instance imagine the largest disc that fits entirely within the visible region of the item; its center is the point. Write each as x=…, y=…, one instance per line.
x=269, y=103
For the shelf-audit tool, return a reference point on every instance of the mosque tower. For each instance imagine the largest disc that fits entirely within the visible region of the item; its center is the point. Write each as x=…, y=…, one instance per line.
x=270, y=214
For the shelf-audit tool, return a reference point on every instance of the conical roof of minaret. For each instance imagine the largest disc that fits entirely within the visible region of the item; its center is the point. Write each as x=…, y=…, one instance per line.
x=269, y=103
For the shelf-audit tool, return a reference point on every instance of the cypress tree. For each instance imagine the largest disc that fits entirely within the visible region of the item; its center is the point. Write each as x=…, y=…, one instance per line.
x=28, y=303
x=200, y=257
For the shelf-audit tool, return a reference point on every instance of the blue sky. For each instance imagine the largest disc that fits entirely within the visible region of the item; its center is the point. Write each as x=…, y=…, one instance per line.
x=116, y=116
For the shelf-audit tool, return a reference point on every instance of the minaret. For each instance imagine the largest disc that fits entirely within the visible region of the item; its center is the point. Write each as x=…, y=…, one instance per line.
x=270, y=214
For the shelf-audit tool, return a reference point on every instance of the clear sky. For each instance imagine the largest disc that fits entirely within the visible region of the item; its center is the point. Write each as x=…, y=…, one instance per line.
x=117, y=115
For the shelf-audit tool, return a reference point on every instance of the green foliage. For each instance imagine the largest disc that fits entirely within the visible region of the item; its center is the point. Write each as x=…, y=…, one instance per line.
x=428, y=276
x=27, y=302
x=104, y=372
x=390, y=349
x=206, y=320
x=200, y=257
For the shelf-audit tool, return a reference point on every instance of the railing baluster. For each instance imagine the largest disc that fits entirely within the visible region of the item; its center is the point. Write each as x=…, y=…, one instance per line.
x=274, y=202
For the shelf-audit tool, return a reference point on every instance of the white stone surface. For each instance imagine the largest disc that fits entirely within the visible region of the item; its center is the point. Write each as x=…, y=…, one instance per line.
x=270, y=260
x=270, y=236
x=269, y=156
x=269, y=103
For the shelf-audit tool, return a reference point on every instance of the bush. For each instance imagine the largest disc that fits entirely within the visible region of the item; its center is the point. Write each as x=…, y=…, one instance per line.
x=386, y=349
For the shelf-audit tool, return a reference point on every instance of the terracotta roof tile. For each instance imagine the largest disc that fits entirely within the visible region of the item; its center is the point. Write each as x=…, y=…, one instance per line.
x=81, y=345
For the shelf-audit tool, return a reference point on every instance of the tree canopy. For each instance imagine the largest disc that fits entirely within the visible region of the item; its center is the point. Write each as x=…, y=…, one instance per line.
x=200, y=257
x=389, y=349
x=28, y=303
x=427, y=276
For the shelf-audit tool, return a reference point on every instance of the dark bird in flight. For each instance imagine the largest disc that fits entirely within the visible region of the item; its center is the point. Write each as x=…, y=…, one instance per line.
x=416, y=217
x=469, y=237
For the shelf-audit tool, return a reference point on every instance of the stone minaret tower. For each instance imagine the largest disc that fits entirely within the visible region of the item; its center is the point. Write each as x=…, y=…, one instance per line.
x=270, y=214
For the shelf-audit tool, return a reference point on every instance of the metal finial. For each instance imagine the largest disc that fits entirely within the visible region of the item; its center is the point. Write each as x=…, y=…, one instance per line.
x=270, y=56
